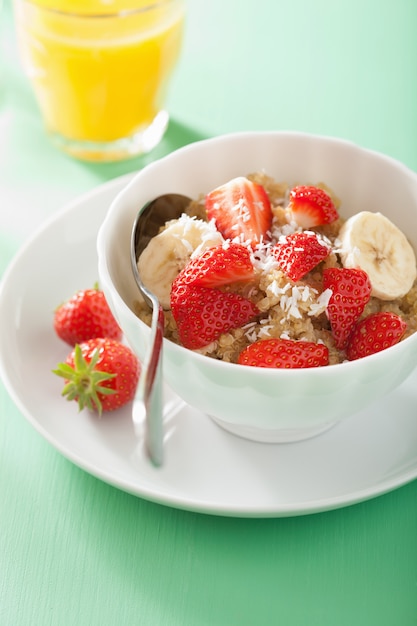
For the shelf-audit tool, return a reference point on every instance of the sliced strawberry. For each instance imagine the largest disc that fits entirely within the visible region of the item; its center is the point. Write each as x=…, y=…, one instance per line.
x=202, y=314
x=219, y=266
x=241, y=208
x=299, y=253
x=351, y=289
x=375, y=333
x=311, y=206
x=284, y=353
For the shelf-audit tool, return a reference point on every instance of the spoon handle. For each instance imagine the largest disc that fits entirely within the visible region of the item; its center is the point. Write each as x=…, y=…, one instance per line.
x=147, y=412
x=150, y=392
x=153, y=393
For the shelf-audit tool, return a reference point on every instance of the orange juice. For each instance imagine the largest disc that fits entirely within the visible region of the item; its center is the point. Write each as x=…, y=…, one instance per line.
x=100, y=72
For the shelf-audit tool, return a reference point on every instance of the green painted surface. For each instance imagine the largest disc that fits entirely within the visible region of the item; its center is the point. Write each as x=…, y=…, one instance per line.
x=74, y=551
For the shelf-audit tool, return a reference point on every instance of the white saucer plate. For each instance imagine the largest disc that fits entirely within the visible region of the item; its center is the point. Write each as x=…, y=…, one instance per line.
x=206, y=469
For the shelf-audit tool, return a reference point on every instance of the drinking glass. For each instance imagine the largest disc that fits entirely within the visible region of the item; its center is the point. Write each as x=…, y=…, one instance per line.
x=100, y=70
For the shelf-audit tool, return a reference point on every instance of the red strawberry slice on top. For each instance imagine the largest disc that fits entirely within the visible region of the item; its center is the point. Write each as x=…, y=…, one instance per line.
x=220, y=265
x=202, y=314
x=374, y=333
x=351, y=290
x=311, y=206
x=284, y=353
x=201, y=310
x=241, y=208
x=298, y=253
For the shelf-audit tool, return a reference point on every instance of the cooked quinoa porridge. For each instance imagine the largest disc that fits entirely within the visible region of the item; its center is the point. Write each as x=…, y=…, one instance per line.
x=292, y=286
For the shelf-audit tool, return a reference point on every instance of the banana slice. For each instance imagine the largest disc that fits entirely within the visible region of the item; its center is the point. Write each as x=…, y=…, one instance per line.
x=373, y=243
x=169, y=252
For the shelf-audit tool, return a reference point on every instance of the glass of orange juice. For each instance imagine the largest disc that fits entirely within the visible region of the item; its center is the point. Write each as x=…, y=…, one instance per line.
x=100, y=71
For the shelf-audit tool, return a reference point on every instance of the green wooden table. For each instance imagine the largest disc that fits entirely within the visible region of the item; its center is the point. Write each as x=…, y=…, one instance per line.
x=77, y=551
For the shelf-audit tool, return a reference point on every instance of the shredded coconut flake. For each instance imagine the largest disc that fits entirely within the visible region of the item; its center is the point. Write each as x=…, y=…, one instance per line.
x=264, y=331
x=318, y=307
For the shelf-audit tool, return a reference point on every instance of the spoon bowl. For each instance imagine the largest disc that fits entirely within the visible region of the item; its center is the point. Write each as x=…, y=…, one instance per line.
x=147, y=408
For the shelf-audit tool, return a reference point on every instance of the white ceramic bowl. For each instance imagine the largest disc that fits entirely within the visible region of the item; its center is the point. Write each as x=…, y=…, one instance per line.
x=269, y=405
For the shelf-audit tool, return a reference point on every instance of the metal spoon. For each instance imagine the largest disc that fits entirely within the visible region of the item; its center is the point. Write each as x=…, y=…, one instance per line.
x=148, y=404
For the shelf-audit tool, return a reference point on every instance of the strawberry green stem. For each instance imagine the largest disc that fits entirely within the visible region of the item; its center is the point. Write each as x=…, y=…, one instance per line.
x=83, y=382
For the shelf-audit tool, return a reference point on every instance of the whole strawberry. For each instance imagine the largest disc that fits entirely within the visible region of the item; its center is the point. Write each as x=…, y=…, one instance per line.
x=101, y=374
x=84, y=316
